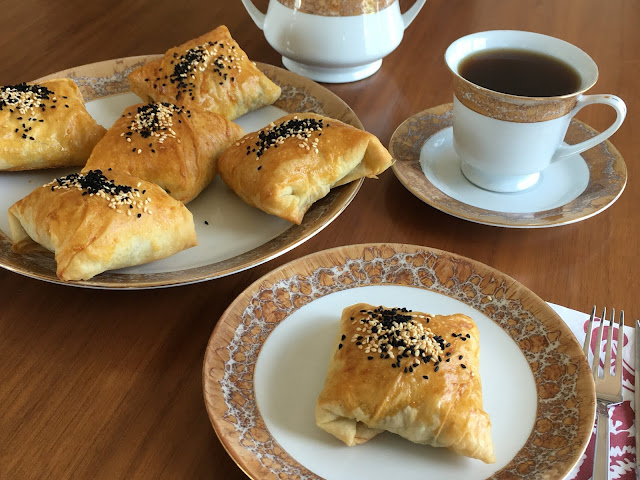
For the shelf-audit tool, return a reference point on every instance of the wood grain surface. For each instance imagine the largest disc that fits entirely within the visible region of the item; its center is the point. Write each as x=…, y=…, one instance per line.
x=108, y=384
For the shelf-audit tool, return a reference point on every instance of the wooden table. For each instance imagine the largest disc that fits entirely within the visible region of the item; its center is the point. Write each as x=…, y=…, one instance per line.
x=107, y=384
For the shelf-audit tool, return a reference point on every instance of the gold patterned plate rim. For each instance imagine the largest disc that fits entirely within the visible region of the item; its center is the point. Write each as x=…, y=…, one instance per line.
x=607, y=175
x=565, y=409
x=107, y=78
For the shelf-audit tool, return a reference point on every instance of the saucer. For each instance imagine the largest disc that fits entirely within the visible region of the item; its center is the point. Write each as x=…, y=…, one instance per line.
x=569, y=190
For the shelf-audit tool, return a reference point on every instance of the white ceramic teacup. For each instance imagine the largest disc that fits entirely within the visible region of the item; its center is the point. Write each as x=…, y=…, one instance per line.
x=338, y=41
x=505, y=141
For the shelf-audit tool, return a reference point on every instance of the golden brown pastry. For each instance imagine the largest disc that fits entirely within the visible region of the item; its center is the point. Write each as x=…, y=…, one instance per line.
x=287, y=166
x=409, y=373
x=210, y=72
x=94, y=223
x=45, y=125
x=168, y=145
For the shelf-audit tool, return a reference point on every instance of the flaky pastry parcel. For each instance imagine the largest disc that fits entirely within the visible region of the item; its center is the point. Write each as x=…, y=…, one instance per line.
x=95, y=222
x=210, y=72
x=45, y=125
x=409, y=373
x=293, y=162
x=168, y=145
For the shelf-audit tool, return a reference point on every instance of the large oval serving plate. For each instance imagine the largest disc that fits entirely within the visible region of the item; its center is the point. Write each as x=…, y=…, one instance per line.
x=268, y=355
x=231, y=235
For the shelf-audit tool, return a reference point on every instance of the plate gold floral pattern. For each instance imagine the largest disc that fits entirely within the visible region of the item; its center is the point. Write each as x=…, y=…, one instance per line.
x=607, y=175
x=103, y=79
x=566, y=396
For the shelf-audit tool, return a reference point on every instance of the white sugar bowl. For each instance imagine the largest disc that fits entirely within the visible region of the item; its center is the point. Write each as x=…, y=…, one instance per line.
x=331, y=41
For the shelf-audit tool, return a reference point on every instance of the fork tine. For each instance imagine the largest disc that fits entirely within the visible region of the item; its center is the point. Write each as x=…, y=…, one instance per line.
x=608, y=354
x=620, y=348
x=608, y=387
x=597, y=350
x=587, y=338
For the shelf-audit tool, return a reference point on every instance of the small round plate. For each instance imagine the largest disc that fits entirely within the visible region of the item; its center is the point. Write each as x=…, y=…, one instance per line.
x=570, y=190
x=267, y=358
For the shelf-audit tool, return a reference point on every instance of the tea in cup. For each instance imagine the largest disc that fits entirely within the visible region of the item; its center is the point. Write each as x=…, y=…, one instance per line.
x=515, y=94
x=333, y=41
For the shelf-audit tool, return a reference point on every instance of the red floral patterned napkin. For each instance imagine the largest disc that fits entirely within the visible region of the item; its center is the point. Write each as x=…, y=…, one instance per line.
x=622, y=439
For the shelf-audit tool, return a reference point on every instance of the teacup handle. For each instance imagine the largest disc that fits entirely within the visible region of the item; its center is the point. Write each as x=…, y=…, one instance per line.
x=256, y=15
x=410, y=15
x=621, y=111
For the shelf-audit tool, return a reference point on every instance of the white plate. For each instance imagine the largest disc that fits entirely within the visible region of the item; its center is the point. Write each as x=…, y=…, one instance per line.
x=232, y=236
x=268, y=355
x=293, y=363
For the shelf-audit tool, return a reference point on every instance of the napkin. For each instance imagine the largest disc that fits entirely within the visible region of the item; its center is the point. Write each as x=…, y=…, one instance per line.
x=622, y=451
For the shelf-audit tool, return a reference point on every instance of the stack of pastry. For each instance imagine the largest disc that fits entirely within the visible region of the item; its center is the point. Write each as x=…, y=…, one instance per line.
x=126, y=206
x=178, y=140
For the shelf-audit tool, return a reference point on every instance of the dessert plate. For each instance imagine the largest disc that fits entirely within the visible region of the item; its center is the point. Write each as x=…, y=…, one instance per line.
x=232, y=236
x=268, y=355
x=570, y=189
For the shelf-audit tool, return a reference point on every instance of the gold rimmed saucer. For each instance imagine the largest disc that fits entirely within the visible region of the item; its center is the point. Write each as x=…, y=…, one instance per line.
x=425, y=165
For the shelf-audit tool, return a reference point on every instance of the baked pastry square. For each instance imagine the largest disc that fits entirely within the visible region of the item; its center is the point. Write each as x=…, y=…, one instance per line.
x=293, y=162
x=210, y=72
x=168, y=145
x=94, y=222
x=409, y=373
x=45, y=125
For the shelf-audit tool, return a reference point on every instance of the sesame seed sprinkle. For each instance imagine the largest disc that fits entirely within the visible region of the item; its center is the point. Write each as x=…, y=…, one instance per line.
x=189, y=66
x=94, y=183
x=402, y=336
x=25, y=99
x=153, y=120
x=299, y=129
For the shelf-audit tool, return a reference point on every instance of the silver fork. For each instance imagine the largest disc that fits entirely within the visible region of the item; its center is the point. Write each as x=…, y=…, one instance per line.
x=608, y=387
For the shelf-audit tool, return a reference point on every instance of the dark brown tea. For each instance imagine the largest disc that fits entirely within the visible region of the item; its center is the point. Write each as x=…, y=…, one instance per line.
x=520, y=72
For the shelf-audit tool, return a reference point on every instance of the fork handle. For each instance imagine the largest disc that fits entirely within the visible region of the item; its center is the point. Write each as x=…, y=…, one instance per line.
x=601, y=455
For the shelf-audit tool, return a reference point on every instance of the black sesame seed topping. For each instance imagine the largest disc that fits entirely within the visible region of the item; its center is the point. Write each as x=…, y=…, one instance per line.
x=400, y=335
x=94, y=183
x=198, y=59
x=24, y=98
x=153, y=120
x=299, y=129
